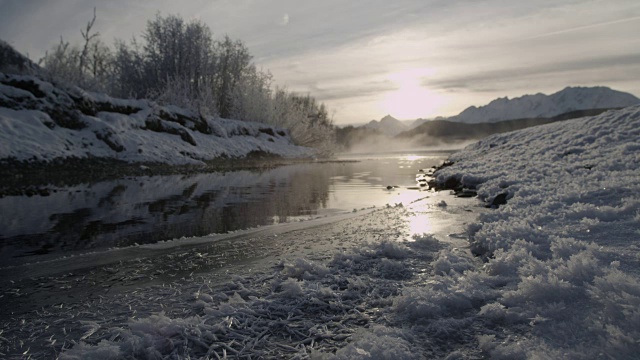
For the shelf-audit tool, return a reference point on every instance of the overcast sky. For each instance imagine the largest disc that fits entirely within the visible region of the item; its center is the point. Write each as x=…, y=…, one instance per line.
x=366, y=59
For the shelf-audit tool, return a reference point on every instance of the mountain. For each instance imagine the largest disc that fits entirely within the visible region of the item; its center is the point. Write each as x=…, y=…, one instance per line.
x=546, y=106
x=436, y=131
x=415, y=123
x=388, y=125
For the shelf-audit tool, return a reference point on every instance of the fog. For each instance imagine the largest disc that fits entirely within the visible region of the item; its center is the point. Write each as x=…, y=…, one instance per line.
x=377, y=143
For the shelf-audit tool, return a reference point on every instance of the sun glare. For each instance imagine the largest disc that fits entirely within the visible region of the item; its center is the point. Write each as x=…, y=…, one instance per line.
x=413, y=157
x=411, y=100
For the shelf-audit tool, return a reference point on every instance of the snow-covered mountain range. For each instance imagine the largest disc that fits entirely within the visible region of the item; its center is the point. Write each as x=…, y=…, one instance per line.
x=568, y=100
x=541, y=105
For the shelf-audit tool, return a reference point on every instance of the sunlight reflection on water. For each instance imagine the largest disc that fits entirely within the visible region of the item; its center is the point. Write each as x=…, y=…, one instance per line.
x=412, y=157
x=369, y=188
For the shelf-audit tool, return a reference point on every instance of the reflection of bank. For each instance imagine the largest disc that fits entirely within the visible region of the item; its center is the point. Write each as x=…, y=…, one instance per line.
x=150, y=209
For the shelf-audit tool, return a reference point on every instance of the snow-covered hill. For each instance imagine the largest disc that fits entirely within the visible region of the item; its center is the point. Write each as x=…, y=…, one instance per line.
x=562, y=257
x=388, y=125
x=40, y=121
x=541, y=105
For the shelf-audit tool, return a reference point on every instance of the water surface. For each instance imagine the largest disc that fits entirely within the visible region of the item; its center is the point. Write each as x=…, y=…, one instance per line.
x=137, y=210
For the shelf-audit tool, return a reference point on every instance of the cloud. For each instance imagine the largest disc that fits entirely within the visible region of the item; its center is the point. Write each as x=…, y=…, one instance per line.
x=343, y=52
x=577, y=70
x=584, y=27
x=354, y=91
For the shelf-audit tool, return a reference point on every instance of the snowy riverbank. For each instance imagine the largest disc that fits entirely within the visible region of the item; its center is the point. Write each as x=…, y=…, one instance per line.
x=42, y=122
x=562, y=274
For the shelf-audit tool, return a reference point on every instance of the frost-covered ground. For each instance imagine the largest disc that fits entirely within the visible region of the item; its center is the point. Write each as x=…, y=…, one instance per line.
x=41, y=121
x=284, y=291
x=562, y=271
x=557, y=276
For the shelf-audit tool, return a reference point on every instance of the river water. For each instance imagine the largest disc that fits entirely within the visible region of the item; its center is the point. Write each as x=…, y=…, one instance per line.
x=138, y=210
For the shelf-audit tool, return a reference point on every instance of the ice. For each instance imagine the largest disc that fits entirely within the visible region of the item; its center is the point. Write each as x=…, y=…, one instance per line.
x=105, y=350
x=377, y=343
x=304, y=269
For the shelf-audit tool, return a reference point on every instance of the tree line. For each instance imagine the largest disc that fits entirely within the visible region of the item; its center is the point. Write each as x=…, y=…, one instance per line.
x=178, y=62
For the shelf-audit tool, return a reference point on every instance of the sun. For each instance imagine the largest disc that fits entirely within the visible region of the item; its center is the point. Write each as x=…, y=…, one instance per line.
x=411, y=100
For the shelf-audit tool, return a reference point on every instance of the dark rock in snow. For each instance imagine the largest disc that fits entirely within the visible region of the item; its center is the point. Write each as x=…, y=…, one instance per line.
x=500, y=199
x=466, y=193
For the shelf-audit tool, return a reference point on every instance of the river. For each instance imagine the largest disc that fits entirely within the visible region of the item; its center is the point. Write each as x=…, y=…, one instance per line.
x=143, y=210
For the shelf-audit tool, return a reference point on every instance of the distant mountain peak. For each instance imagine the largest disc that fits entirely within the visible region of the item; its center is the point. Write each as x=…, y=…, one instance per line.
x=541, y=105
x=388, y=125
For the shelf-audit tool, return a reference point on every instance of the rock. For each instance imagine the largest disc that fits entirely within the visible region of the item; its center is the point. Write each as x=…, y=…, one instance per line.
x=452, y=183
x=500, y=199
x=466, y=193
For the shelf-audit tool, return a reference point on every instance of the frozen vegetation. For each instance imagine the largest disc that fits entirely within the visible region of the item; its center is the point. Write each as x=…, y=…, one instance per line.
x=179, y=62
x=555, y=276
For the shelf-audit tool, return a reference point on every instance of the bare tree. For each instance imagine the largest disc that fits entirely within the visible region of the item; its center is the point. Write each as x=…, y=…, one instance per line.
x=61, y=62
x=179, y=62
x=88, y=37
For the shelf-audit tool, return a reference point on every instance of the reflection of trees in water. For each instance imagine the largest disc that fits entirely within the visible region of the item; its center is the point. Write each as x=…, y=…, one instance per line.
x=145, y=210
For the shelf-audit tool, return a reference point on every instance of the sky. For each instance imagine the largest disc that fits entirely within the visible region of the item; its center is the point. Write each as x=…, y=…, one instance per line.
x=368, y=58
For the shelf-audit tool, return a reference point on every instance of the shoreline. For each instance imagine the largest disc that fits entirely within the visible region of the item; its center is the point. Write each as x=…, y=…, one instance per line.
x=60, y=263
x=33, y=178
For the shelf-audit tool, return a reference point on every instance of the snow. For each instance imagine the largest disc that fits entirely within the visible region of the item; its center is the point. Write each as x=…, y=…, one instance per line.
x=564, y=249
x=28, y=133
x=557, y=271
x=541, y=105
